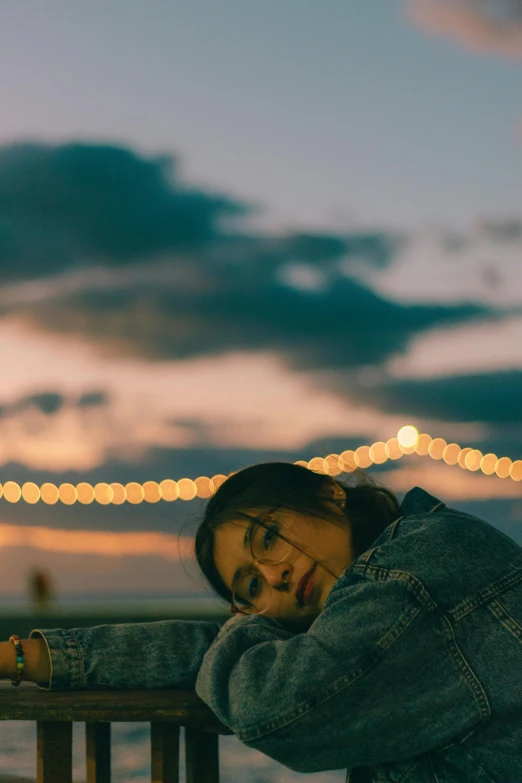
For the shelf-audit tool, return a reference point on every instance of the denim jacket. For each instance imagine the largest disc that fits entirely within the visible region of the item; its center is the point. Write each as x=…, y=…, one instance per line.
x=412, y=672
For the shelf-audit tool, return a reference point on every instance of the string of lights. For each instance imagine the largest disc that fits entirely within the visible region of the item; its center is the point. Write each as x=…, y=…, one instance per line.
x=408, y=441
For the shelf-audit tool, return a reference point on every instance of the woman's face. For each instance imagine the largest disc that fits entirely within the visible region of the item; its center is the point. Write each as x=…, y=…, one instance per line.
x=327, y=544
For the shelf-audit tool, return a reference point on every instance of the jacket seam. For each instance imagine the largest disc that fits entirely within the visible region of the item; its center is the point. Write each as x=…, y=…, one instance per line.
x=81, y=665
x=485, y=595
x=499, y=611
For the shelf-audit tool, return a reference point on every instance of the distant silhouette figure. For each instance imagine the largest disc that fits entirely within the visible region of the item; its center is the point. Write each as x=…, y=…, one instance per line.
x=41, y=589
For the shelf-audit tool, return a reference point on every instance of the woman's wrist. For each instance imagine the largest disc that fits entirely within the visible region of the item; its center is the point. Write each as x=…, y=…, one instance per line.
x=37, y=666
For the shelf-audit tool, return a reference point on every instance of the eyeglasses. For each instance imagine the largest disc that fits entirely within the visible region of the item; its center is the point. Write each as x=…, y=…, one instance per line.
x=272, y=542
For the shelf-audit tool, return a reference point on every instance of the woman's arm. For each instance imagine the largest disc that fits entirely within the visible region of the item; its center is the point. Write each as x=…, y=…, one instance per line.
x=37, y=666
x=162, y=654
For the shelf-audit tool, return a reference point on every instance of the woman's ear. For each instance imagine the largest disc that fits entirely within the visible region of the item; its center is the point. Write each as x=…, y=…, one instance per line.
x=334, y=492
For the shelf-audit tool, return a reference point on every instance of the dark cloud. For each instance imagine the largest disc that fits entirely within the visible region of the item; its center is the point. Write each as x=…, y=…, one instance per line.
x=51, y=403
x=48, y=403
x=494, y=398
x=501, y=230
x=61, y=205
x=92, y=399
x=346, y=325
x=377, y=248
x=70, y=206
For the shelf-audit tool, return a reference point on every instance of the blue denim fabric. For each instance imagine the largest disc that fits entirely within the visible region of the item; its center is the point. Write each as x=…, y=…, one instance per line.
x=412, y=673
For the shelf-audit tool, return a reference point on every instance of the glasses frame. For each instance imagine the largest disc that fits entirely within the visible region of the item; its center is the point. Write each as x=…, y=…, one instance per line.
x=235, y=609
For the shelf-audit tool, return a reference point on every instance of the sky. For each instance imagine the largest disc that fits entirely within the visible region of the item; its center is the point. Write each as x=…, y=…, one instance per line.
x=238, y=232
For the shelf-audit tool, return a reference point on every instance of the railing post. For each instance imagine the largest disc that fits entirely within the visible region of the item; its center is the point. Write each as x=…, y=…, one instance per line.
x=164, y=752
x=54, y=751
x=98, y=751
x=202, y=756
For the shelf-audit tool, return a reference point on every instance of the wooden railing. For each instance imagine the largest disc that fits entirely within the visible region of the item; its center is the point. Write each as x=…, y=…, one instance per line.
x=165, y=710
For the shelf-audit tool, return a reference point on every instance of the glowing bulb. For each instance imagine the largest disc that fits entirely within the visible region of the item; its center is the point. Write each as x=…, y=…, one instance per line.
x=12, y=491
x=408, y=436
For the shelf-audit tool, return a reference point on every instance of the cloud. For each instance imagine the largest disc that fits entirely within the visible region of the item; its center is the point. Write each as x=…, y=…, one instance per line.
x=50, y=403
x=70, y=206
x=493, y=398
x=478, y=25
x=95, y=542
x=178, y=287
x=342, y=325
x=149, y=271
x=62, y=205
x=449, y=483
x=506, y=230
x=93, y=399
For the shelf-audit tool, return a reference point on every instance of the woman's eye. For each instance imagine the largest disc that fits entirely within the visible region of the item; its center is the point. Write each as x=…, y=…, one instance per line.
x=253, y=587
x=270, y=536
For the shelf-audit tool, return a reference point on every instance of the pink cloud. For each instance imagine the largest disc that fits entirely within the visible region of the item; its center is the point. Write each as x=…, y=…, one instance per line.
x=472, y=23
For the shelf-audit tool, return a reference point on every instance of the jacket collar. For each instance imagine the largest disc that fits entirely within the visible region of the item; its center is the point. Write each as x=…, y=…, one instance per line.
x=417, y=501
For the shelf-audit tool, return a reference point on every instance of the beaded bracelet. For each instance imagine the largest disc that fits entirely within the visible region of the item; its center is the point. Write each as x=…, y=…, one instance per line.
x=19, y=659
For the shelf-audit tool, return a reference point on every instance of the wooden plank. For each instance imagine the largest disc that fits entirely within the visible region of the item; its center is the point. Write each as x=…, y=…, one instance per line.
x=164, y=752
x=201, y=756
x=183, y=707
x=54, y=752
x=98, y=752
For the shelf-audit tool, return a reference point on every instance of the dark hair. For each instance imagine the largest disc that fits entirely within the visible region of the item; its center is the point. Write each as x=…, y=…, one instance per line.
x=369, y=507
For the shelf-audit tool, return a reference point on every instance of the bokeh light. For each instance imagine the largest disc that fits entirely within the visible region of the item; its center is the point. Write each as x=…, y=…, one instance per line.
x=119, y=495
x=461, y=459
x=393, y=450
x=488, y=463
x=503, y=467
x=436, y=448
x=331, y=465
x=31, y=492
x=423, y=444
x=378, y=453
x=103, y=493
x=67, y=494
x=169, y=490
x=151, y=492
x=134, y=492
x=12, y=491
x=218, y=480
x=318, y=465
x=473, y=459
x=204, y=487
x=408, y=436
x=187, y=489
x=332, y=461
x=49, y=493
x=451, y=453
x=362, y=457
x=347, y=461
x=85, y=493
x=515, y=470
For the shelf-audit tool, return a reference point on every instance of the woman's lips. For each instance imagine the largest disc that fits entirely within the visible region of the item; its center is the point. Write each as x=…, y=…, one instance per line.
x=304, y=588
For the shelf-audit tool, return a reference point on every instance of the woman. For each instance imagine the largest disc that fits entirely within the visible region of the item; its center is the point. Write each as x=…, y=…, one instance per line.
x=380, y=638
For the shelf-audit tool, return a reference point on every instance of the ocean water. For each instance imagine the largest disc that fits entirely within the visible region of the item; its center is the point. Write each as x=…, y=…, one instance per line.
x=130, y=744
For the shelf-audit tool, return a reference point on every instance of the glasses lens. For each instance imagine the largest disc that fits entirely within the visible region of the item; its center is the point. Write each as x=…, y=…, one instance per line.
x=278, y=541
x=251, y=594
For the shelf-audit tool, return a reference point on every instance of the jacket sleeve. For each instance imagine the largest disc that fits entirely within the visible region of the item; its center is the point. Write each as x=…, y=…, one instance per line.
x=162, y=654
x=378, y=677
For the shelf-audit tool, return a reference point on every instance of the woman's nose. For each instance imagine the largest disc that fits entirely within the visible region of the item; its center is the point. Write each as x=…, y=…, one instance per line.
x=276, y=574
